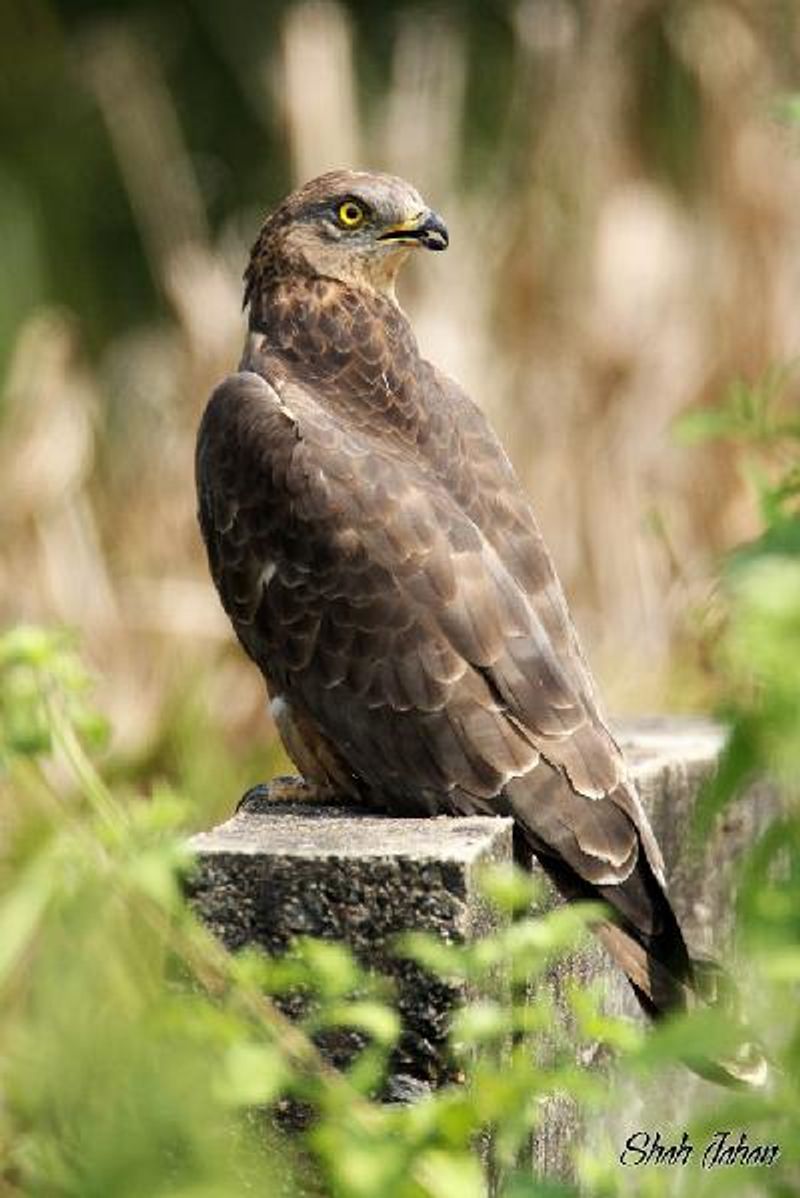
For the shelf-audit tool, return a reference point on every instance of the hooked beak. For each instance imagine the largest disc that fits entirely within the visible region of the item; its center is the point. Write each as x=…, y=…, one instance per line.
x=426, y=228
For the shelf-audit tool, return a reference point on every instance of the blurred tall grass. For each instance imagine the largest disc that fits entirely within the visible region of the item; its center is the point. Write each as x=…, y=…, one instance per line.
x=621, y=184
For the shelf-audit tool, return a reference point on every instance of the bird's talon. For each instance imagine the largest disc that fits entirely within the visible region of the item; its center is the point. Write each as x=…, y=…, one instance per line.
x=251, y=797
x=287, y=788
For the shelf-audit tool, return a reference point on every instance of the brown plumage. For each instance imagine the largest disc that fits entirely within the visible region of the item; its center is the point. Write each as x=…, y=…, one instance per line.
x=383, y=568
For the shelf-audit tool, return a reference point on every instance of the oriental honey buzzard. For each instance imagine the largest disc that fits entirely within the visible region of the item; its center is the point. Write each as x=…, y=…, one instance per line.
x=381, y=565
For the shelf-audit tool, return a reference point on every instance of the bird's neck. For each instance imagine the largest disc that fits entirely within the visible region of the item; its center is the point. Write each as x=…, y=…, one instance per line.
x=352, y=350
x=334, y=332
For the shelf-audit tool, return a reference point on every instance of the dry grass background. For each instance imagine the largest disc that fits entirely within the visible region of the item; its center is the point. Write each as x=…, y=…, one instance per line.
x=628, y=244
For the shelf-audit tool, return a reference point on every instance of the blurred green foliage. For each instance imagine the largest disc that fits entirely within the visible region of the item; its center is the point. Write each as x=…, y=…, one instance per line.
x=758, y=661
x=137, y=1057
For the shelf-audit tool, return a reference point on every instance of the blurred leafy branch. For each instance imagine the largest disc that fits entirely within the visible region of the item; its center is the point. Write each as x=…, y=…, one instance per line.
x=759, y=652
x=758, y=660
x=757, y=663
x=751, y=412
x=137, y=1056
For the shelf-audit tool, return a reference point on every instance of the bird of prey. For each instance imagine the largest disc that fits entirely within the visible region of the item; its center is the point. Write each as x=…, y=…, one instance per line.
x=381, y=565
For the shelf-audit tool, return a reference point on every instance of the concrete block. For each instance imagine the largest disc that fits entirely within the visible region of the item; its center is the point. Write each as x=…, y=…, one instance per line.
x=278, y=870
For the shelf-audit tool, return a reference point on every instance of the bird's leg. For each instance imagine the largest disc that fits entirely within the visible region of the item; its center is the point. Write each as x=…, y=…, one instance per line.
x=287, y=788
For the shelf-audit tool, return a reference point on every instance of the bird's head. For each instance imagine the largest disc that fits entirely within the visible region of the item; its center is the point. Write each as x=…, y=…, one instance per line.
x=352, y=226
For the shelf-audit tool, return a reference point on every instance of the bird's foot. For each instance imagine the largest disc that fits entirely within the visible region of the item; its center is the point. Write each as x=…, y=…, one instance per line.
x=288, y=788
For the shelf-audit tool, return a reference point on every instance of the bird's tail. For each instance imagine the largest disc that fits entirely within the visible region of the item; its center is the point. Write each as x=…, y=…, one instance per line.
x=661, y=992
x=604, y=849
x=665, y=978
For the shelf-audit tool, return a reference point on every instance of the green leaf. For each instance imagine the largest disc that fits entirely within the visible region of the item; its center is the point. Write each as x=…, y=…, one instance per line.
x=593, y=1024
x=34, y=646
x=702, y=1036
x=367, y=1073
x=528, y=945
x=480, y=1022
x=252, y=1075
x=787, y=108
x=748, y=413
x=376, y=1020
x=781, y=965
x=23, y=908
x=445, y=1175
x=361, y=1164
x=433, y=954
x=332, y=967
x=156, y=873
x=509, y=888
x=520, y=1186
x=705, y=424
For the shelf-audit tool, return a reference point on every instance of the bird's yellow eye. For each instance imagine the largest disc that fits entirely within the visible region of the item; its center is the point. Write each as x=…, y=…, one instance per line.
x=351, y=214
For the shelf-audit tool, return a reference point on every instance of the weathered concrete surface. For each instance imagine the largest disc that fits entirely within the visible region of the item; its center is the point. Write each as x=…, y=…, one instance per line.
x=279, y=870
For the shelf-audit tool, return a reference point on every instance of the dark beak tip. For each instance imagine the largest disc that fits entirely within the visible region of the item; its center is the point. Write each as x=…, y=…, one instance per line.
x=430, y=232
x=434, y=235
